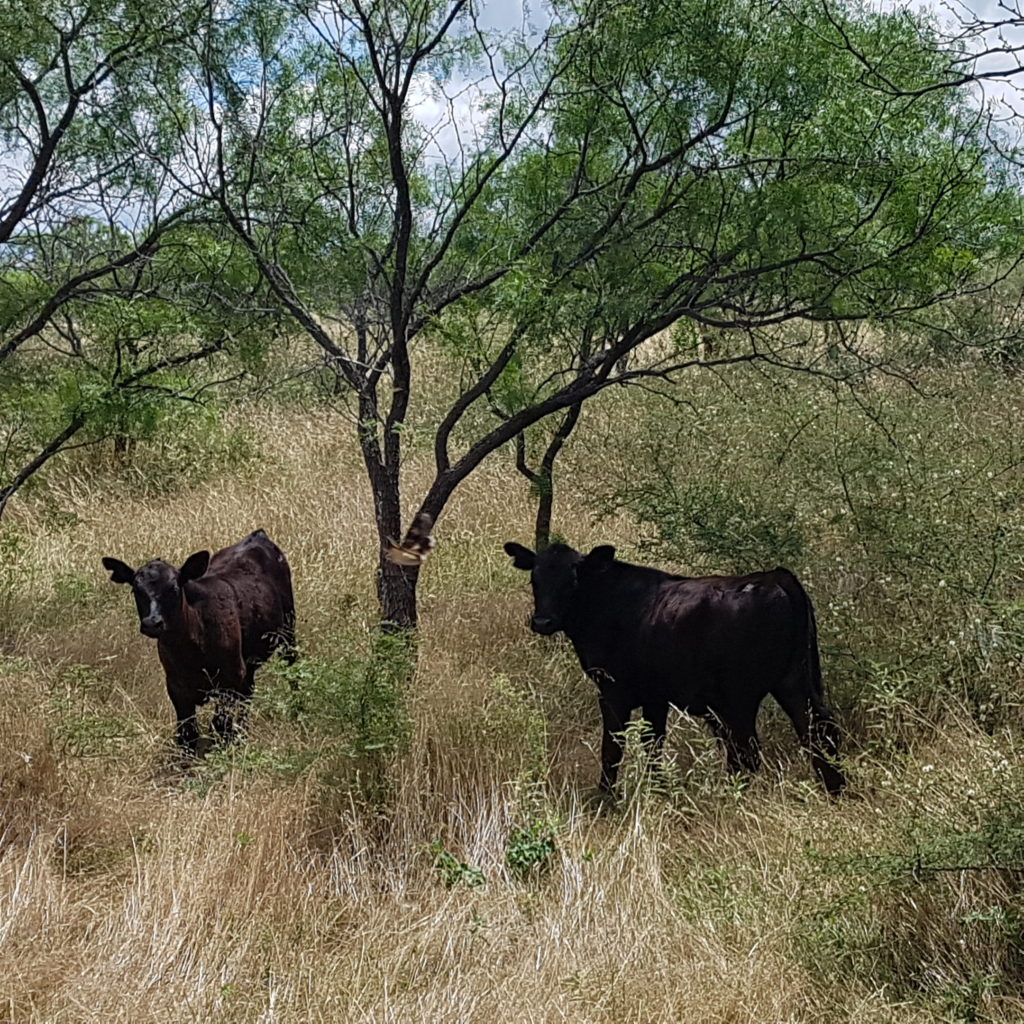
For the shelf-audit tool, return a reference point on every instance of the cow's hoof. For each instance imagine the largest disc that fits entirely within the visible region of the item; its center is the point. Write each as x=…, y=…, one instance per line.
x=203, y=747
x=600, y=798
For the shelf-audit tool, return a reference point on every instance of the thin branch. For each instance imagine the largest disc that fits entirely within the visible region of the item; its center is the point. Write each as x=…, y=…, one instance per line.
x=48, y=452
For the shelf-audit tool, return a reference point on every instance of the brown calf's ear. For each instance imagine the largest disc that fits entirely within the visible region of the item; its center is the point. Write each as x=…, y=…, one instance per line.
x=119, y=571
x=194, y=567
x=600, y=557
x=522, y=558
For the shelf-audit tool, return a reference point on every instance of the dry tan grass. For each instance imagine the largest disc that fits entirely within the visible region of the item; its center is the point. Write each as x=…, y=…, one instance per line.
x=134, y=890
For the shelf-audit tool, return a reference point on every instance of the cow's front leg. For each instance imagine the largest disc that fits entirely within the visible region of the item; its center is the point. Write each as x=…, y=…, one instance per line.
x=656, y=716
x=614, y=715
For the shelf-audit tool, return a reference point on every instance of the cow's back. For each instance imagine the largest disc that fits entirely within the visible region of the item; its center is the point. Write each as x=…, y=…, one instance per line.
x=256, y=555
x=739, y=627
x=689, y=640
x=256, y=574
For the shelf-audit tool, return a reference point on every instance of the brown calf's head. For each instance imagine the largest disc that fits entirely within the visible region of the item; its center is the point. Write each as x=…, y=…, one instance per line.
x=157, y=588
x=555, y=576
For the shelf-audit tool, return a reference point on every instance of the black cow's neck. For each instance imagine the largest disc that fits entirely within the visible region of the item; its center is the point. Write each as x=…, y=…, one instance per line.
x=611, y=599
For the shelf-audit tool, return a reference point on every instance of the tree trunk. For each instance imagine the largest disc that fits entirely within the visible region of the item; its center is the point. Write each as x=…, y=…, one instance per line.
x=545, y=504
x=396, y=584
x=396, y=589
x=123, y=445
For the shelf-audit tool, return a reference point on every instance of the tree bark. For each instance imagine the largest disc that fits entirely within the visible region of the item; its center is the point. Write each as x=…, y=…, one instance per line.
x=543, y=478
x=396, y=584
x=396, y=589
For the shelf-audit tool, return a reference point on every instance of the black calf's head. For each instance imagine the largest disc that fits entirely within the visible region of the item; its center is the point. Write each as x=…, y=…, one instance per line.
x=157, y=588
x=556, y=575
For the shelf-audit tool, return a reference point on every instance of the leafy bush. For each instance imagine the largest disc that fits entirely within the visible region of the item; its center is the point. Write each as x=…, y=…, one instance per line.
x=531, y=848
x=80, y=725
x=513, y=720
x=726, y=521
x=15, y=571
x=190, y=443
x=247, y=759
x=454, y=872
x=359, y=702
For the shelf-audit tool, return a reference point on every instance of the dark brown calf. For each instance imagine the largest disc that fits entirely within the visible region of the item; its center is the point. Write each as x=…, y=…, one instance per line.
x=215, y=621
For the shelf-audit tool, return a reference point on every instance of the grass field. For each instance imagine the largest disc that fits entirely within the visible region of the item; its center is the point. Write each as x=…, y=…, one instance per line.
x=380, y=849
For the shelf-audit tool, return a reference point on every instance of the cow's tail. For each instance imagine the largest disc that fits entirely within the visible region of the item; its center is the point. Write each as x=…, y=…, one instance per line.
x=806, y=659
x=822, y=739
x=813, y=654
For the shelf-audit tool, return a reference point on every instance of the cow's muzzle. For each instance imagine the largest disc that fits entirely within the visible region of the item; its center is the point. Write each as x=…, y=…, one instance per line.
x=544, y=626
x=152, y=627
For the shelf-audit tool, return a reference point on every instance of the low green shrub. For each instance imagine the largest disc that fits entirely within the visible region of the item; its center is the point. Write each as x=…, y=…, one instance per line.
x=531, y=848
x=454, y=872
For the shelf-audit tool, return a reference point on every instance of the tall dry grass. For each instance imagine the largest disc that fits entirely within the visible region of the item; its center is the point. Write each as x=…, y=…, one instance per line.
x=290, y=880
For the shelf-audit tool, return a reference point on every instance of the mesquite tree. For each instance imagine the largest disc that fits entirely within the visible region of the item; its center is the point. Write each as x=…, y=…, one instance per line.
x=109, y=289
x=544, y=202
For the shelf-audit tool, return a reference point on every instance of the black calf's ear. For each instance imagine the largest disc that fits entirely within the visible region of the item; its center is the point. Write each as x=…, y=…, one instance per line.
x=119, y=571
x=601, y=557
x=195, y=565
x=522, y=558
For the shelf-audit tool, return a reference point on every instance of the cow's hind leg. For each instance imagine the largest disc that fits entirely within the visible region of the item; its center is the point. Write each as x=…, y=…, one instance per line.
x=737, y=732
x=188, y=727
x=818, y=733
x=282, y=641
x=288, y=648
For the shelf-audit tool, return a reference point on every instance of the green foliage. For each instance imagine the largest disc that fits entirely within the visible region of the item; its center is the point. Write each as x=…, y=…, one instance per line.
x=781, y=91
x=986, y=833
x=645, y=773
x=247, y=759
x=109, y=297
x=929, y=906
x=76, y=589
x=359, y=702
x=454, y=872
x=190, y=443
x=729, y=522
x=80, y=725
x=530, y=849
x=15, y=571
x=996, y=844
x=964, y=1000
x=513, y=720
